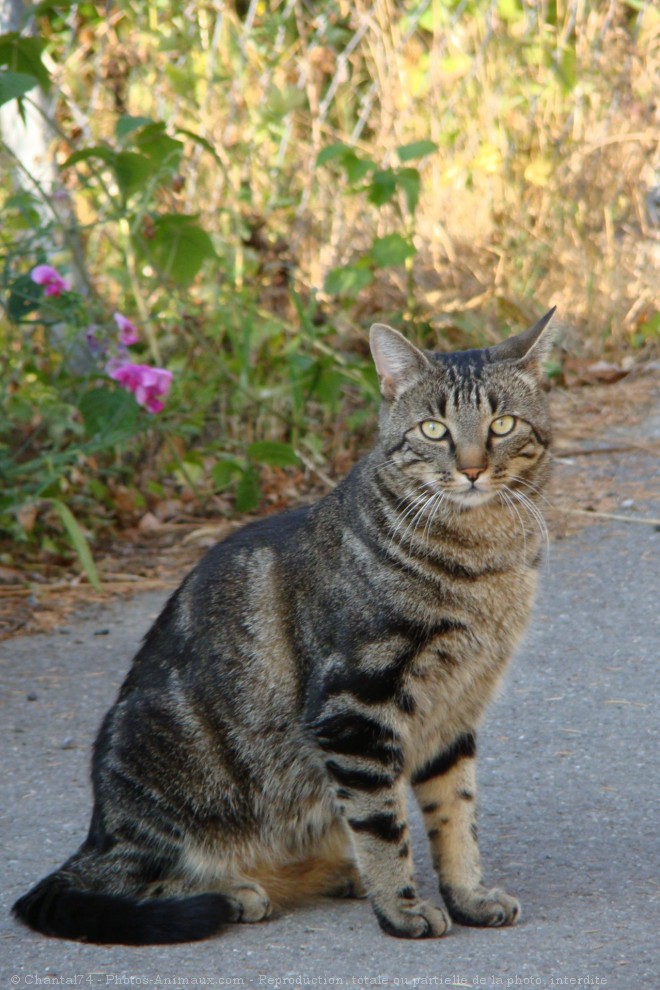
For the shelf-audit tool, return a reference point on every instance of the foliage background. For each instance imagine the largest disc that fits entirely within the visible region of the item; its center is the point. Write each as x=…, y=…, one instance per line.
x=253, y=184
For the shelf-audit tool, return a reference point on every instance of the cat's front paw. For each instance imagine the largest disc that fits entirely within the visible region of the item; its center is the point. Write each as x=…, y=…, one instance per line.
x=416, y=919
x=482, y=907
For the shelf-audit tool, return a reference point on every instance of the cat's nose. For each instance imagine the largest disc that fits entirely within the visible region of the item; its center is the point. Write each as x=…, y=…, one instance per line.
x=472, y=473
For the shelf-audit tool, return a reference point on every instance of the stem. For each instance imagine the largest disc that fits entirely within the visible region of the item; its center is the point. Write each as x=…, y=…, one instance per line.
x=181, y=466
x=131, y=265
x=70, y=231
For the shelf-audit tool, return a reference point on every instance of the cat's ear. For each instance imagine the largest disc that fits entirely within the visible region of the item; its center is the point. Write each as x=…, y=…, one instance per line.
x=529, y=348
x=398, y=362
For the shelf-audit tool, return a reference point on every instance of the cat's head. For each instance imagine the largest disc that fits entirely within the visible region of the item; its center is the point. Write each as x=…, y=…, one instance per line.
x=470, y=424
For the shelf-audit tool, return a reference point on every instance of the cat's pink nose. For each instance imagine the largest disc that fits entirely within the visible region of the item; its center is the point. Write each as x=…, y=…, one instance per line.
x=473, y=472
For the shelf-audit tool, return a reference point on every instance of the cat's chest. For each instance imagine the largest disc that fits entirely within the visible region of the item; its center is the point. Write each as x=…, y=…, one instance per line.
x=452, y=679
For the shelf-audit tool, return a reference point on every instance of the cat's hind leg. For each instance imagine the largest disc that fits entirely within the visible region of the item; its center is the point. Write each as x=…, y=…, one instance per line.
x=446, y=791
x=213, y=870
x=325, y=870
x=250, y=898
x=334, y=864
x=247, y=899
x=347, y=883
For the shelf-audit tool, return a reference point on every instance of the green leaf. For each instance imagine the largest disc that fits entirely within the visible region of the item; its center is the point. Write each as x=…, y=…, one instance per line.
x=14, y=85
x=355, y=167
x=331, y=152
x=133, y=171
x=23, y=55
x=78, y=542
x=109, y=414
x=567, y=69
x=159, y=147
x=330, y=387
x=178, y=247
x=271, y=452
x=201, y=141
x=409, y=180
x=24, y=297
x=98, y=151
x=392, y=250
x=127, y=124
x=224, y=472
x=248, y=493
x=348, y=281
x=382, y=187
x=418, y=149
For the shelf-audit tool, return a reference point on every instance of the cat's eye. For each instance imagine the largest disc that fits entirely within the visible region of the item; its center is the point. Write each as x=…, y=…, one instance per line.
x=433, y=430
x=502, y=425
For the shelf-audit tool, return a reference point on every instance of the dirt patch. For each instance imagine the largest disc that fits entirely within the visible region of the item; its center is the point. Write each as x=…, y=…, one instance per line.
x=607, y=452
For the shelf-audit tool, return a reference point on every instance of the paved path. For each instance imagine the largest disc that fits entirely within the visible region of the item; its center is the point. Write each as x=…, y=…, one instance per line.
x=568, y=794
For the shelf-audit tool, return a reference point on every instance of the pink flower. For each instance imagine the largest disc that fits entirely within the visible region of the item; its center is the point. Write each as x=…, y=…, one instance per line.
x=128, y=333
x=50, y=278
x=147, y=384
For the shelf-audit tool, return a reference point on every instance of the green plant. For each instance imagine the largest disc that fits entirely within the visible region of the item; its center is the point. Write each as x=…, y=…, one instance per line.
x=398, y=187
x=252, y=185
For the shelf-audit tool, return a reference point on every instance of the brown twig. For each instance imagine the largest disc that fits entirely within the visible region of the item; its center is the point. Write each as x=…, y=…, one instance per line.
x=611, y=515
x=584, y=451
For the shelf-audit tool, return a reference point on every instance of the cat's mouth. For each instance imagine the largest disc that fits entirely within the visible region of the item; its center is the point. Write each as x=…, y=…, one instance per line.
x=470, y=496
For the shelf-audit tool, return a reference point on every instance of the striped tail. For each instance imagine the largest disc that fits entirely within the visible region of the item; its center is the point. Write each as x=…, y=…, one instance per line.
x=54, y=907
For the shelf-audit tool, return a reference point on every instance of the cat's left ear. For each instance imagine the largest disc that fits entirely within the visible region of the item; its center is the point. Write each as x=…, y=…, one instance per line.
x=398, y=362
x=529, y=348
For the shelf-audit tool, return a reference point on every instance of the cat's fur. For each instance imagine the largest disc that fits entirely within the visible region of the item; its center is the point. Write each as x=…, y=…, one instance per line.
x=312, y=666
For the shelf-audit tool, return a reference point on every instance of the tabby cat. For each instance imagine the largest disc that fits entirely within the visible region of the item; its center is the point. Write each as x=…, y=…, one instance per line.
x=316, y=663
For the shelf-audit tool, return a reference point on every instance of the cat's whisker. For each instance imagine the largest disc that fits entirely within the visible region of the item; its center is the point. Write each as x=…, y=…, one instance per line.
x=532, y=511
x=421, y=498
x=508, y=501
x=405, y=500
x=536, y=515
x=419, y=515
x=534, y=489
x=433, y=505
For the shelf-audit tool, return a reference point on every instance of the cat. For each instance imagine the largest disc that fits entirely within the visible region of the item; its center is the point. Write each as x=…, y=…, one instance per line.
x=316, y=663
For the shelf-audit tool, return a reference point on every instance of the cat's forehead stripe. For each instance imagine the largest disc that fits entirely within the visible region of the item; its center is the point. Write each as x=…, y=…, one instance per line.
x=463, y=388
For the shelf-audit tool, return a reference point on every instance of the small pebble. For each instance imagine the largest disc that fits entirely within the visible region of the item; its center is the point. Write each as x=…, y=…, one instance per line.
x=32, y=696
x=69, y=743
x=627, y=503
x=101, y=632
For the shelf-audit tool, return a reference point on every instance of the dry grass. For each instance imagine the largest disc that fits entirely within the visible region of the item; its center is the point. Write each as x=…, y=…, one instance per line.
x=547, y=138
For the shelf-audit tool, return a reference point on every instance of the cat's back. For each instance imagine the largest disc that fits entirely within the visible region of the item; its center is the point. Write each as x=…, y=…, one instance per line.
x=212, y=697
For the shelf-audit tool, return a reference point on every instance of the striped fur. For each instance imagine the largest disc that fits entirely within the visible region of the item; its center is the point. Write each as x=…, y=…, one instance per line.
x=316, y=663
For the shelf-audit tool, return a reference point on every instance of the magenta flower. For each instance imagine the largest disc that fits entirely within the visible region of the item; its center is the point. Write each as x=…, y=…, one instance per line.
x=50, y=278
x=128, y=333
x=147, y=384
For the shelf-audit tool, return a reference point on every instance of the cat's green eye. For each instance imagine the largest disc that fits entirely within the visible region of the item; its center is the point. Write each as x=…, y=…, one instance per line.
x=433, y=430
x=502, y=425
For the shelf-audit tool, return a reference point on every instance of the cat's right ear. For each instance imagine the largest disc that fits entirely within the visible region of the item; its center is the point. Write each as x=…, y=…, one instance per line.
x=398, y=362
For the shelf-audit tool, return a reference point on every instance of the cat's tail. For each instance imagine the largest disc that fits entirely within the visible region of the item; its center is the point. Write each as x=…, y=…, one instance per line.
x=55, y=907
